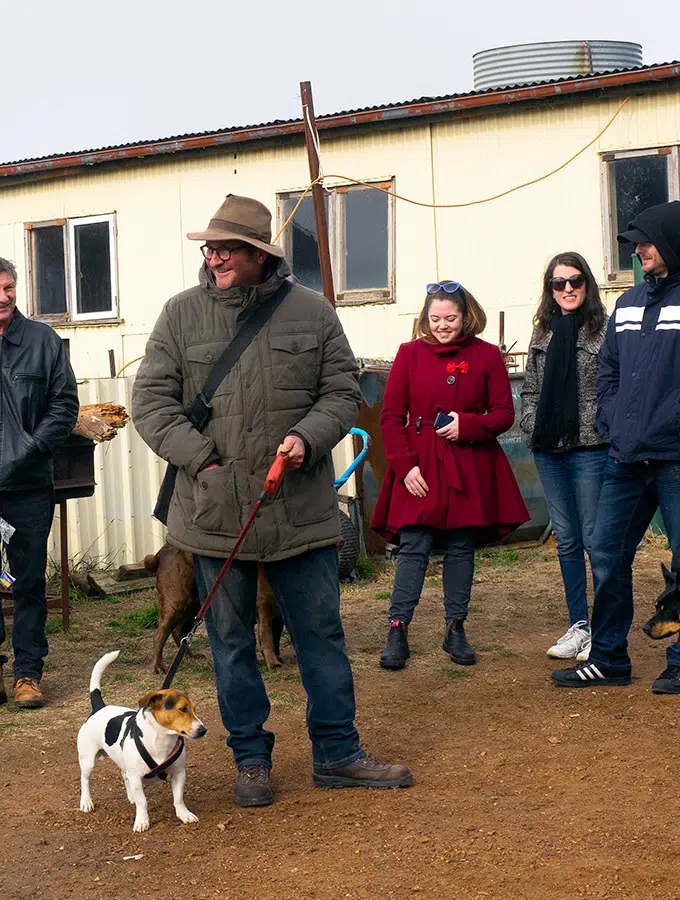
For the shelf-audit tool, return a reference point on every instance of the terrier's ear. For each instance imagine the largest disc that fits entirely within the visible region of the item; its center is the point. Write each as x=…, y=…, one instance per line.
x=672, y=581
x=152, y=699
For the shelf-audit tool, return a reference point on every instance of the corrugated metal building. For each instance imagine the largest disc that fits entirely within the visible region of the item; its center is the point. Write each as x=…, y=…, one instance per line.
x=99, y=237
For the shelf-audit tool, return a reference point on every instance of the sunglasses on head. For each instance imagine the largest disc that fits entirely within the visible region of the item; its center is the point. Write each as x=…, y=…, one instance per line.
x=449, y=287
x=560, y=284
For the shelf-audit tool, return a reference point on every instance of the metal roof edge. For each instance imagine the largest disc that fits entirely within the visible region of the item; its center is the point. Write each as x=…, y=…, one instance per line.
x=380, y=114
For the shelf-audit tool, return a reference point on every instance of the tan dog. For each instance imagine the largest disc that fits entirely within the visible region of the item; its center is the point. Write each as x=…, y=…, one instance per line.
x=178, y=605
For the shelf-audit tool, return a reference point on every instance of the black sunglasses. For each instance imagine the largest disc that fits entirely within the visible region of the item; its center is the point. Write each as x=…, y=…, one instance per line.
x=560, y=284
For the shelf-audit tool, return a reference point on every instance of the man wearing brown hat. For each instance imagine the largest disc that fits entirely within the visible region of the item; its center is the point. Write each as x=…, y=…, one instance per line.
x=295, y=389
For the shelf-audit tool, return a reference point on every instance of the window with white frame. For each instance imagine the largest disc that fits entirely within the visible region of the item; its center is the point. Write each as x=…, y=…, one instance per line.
x=633, y=181
x=72, y=269
x=361, y=235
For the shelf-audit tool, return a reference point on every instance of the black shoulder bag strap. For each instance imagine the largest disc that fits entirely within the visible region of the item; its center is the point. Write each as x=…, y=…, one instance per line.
x=201, y=408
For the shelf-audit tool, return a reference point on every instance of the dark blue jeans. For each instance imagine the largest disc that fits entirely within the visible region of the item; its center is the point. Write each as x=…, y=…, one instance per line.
x=307, y=591
x=571, y=483
x=415, y=544
x=630, y=495
x=30, y=512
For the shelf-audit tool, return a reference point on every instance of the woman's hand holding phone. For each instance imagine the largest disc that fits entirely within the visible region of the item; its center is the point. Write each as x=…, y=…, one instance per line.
x=450, y=431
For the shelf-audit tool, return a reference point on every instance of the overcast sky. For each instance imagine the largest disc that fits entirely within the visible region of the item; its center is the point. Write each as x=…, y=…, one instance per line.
x=79, y=75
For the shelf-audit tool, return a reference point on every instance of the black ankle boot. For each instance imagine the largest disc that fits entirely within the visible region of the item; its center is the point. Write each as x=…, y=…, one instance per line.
x=396, y=650
x=456, y=645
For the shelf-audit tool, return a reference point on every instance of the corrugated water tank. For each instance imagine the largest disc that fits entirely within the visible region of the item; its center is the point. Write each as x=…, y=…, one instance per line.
x=525, y=63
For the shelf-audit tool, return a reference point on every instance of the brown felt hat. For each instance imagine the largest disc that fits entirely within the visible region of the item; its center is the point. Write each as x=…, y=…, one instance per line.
x=240, y=219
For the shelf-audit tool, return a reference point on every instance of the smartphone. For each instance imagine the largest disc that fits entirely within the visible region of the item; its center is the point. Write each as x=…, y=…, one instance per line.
x=442, y=420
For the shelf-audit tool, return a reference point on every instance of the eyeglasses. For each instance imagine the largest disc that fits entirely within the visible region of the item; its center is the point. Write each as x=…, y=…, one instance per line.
x=223, y=253
x=560, y=284
x=449, y=287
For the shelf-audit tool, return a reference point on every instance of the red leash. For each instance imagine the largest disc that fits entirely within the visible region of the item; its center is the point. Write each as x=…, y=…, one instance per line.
x=271, y=486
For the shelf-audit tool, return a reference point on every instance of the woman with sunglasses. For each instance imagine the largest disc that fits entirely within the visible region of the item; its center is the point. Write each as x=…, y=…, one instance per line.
x=448, y=483
x=559, y=400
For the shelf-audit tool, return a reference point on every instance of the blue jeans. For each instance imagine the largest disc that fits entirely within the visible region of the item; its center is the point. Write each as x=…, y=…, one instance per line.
x=30, y=512
x=415, y=544
x=630, y=495
x=307, y=591
x=571, y=483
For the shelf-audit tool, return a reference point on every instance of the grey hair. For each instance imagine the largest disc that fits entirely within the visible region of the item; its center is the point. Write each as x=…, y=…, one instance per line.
x=9, y=267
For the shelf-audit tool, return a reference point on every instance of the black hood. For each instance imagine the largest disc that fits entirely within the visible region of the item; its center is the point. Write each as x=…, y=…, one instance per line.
x=660, y=225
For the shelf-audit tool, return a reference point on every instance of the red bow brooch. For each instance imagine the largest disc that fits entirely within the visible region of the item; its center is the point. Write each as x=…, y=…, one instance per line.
x=461, y=367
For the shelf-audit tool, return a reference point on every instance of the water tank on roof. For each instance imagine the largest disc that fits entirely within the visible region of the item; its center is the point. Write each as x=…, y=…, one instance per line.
x=525, y=63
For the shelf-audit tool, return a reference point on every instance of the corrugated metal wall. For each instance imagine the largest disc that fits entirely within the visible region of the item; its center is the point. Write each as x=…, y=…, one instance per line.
x=115, y=526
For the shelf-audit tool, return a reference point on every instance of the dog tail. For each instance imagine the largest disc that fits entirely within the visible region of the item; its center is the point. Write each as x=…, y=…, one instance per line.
x=96, y=679
x=151, y=562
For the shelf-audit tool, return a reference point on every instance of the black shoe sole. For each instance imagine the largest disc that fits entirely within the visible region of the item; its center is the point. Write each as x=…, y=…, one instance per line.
x=335, y=781
x=663, y=690
x=254, y=801
x=30, y=704
x=459, y=660
x=612, y=681
x=386, y=664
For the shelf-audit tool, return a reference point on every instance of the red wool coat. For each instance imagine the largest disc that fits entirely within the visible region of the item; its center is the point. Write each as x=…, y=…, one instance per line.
x=470, y=480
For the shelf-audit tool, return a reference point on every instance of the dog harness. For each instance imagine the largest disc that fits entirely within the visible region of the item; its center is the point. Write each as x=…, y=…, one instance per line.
x=132, y=729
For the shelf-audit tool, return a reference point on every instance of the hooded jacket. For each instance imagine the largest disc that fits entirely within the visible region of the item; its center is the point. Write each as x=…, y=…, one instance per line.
x=638, y=387
x=297, y=376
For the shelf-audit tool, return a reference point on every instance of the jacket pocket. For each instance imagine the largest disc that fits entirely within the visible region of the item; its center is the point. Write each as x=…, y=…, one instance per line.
x=293, y=360
x=29, y=396
x=216, y=506
x=309, y=494
x=202, y=358
x=666, y=416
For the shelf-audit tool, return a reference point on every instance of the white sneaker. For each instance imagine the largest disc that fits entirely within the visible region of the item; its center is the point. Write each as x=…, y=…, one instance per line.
x=572, y=642
x=584, y=652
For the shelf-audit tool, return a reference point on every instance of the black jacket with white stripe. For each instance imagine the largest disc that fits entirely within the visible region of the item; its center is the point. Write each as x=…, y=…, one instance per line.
x=638, y=386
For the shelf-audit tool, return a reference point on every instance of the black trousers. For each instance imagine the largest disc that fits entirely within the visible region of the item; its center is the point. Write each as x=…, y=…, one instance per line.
x=30, y=513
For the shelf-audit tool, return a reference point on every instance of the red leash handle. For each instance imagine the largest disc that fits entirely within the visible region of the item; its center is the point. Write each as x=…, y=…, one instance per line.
x=275, y=474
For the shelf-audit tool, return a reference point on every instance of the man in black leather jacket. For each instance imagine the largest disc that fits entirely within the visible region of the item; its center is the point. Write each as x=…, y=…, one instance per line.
x=38, y=409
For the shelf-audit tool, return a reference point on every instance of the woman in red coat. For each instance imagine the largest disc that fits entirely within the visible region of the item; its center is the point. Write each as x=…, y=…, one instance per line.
x=450, y=486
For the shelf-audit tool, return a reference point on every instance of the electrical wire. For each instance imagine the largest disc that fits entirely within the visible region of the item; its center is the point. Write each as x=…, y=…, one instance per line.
x=505, y=193
x=396, y=196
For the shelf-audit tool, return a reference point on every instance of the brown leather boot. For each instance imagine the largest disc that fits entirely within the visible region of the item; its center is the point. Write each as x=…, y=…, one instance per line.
x=27, y=693
x=3, y=692
x=366, y=772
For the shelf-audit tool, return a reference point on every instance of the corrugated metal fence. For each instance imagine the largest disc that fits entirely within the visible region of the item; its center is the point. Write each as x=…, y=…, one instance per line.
x=115, y=526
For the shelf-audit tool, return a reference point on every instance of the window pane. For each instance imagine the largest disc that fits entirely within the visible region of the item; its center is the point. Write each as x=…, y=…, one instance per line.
x=49, y=273
x=301, y=242
x=639, y=182
x=93, y=267
x=365, y=240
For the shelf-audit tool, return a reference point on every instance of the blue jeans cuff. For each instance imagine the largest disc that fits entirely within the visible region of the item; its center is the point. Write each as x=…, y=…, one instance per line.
x=609, y=666
x=347, y=761
x=255, y=761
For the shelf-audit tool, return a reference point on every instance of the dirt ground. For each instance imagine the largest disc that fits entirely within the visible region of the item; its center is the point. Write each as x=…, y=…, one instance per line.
x=522, y=790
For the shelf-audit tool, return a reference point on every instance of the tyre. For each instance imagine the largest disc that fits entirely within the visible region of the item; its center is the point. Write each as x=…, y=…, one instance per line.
x=348, y=552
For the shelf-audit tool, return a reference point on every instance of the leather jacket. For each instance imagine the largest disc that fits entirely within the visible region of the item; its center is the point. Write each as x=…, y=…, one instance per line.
x=38, y=403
